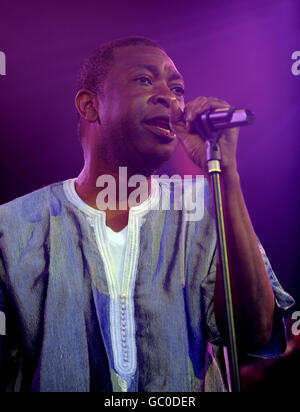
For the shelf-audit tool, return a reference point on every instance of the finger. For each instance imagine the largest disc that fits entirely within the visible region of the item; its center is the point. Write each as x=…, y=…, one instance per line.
x=176, y=114
x=201, y=106
x=218, y=104
x=177, y=120
x=202, y=101
x=218, y=100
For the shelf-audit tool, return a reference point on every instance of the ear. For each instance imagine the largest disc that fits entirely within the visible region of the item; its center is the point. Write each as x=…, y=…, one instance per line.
x=86, y=103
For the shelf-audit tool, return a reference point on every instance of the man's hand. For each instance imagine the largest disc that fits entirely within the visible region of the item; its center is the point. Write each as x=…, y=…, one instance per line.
x=194, y=144
x=252, y=294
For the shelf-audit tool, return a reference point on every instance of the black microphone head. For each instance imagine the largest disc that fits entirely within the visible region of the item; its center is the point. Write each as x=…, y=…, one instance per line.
x=250, y=116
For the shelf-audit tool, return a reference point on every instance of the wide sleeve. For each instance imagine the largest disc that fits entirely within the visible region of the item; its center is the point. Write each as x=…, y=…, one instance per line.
x=3, y=313
x=9, y=347
x=283, y=302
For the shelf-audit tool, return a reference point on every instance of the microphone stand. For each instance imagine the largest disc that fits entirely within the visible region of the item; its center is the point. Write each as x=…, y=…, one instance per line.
x=213, y=158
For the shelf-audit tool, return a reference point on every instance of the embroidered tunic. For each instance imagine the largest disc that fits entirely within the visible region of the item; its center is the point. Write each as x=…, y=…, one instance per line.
x=75, y=323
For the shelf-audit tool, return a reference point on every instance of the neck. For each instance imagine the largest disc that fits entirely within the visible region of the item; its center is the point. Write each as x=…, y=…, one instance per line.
x=100, y=176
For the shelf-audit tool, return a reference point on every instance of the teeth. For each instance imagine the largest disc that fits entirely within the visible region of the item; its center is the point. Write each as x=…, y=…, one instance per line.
x=165, y=130
x=168, y=132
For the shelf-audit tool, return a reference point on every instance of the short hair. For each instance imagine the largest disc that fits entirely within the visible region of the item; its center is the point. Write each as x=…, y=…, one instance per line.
x=97, y=66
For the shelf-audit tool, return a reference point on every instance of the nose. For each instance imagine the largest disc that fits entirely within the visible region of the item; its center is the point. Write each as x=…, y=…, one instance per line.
x=163, y=99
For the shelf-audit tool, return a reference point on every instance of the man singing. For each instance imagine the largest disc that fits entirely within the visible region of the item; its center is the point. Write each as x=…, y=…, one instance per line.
x=129, y=298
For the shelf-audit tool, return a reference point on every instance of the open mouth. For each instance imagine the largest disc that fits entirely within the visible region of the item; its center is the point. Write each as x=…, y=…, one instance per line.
x=160, y=126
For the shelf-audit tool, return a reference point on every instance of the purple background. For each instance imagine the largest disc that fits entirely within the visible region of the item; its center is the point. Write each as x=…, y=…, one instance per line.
x=237, y=50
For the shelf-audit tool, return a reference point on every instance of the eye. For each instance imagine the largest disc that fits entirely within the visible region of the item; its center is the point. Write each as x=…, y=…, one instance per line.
x=144, y=80
x=178, y=90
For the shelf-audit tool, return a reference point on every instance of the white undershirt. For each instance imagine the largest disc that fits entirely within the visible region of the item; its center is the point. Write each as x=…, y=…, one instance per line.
x=114, y=248
x=117, y=243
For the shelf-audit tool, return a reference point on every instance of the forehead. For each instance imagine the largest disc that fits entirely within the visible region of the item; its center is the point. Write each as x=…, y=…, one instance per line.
x=132, y=57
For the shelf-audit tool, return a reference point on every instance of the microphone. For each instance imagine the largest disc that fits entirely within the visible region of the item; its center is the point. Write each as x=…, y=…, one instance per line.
x=218, y=119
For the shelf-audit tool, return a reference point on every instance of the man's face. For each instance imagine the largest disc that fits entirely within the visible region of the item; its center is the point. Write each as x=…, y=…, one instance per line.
x=135, y=108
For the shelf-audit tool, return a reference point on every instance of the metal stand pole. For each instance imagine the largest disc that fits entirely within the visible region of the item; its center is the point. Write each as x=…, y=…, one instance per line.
x=211, y=130
x=213, y=157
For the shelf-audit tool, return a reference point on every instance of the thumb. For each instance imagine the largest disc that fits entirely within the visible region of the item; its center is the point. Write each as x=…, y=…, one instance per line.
x=177, y=121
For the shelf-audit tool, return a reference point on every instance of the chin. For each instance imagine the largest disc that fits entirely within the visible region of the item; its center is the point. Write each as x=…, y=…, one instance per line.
x=151, y=157
x=166, y=151
x=159, y=157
